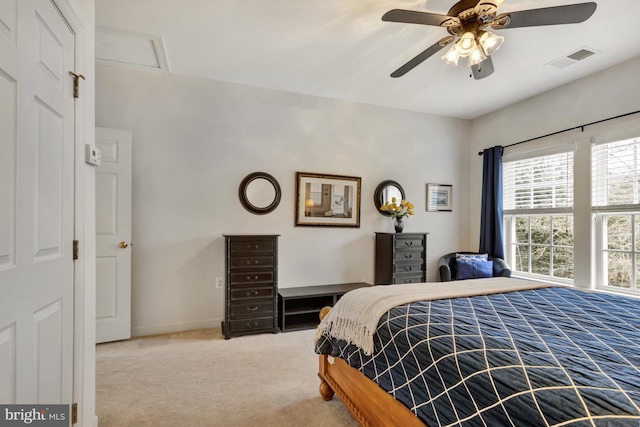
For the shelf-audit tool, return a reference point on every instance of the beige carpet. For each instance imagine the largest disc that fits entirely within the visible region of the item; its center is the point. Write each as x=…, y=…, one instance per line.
x=198, y=378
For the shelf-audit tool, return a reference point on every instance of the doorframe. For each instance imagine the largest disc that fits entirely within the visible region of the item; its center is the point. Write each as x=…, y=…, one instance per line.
x=83, y=393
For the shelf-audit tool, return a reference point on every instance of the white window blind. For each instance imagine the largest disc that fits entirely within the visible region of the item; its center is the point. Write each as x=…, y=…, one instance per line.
x=615, y=174
x=538, y=184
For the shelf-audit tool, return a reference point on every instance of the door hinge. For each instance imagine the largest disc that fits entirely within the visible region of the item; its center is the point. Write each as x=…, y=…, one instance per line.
x=76, y=83
x=75, y=249
x=74, y=413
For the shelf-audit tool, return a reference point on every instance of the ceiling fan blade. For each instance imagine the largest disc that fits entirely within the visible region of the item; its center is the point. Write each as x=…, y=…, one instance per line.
x=418, y=59
x=483, y=69
x=556, y=15
x=415, y=17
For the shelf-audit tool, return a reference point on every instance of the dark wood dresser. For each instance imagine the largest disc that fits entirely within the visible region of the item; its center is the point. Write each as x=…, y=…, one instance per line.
x=401, y=258
x=251, y=305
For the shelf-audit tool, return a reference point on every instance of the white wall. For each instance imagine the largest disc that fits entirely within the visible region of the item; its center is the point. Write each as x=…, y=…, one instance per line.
x=194, y=141
x=605, y=94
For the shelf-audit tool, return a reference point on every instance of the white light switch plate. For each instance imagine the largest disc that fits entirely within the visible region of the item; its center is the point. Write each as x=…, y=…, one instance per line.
x=92, y=155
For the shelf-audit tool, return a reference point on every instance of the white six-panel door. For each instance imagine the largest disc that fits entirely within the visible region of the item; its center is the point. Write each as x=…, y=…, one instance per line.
x=36, y=203
x=113, y=236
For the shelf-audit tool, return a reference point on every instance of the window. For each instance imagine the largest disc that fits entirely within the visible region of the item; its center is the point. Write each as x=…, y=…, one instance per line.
x=544, y=245
x=538, y=213
x=615, y=195
x=315, y=194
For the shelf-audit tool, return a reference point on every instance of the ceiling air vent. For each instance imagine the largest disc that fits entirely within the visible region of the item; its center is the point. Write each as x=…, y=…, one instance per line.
x=572, y=58
x=130, y=50
x=581, y=54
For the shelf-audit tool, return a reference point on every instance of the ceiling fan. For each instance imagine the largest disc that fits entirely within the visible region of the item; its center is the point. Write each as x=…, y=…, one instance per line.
x=467, y=23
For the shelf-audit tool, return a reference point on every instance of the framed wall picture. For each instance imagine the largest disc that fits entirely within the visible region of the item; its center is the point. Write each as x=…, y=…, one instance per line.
x=327, y=200
x=439, y=197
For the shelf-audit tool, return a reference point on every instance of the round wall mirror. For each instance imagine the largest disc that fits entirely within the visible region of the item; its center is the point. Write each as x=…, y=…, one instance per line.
x=385, y=191
x=259, y=193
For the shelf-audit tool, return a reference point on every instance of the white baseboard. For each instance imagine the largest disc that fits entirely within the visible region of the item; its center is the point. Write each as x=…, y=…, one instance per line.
x=142, y=331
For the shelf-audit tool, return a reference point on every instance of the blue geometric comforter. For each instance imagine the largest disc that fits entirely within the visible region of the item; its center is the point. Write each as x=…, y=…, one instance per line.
x=545, y=357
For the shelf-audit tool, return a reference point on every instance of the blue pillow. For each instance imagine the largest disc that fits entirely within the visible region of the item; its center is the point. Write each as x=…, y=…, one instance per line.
x=474, y=269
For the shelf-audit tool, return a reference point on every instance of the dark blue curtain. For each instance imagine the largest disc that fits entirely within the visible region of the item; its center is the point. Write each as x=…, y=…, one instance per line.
x=491, y=227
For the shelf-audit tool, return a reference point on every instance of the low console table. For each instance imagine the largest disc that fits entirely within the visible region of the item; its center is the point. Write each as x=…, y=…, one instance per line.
x=299, y=308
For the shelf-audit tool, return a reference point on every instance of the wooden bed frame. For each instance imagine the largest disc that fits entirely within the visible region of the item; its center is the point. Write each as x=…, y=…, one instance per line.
x=369, y=404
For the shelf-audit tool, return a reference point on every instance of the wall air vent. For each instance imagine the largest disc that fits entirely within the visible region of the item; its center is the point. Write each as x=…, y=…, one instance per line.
x=573, y=57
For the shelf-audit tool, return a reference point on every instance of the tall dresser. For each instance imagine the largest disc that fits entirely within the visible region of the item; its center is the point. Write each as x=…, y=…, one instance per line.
x=251, y=305
x=401, y=258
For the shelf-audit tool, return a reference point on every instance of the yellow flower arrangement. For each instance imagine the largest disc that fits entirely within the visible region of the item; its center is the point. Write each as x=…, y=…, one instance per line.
x=398, y=211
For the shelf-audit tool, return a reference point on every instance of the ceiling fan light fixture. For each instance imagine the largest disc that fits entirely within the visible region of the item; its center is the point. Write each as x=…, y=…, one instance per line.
x=477, y=56
x=452, y=56
x=490, y=42
x=466, y=44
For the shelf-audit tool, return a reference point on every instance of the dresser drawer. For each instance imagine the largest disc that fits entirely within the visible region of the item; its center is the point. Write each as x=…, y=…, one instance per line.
x=411, y=255
x=251, y=262
x=409, y=242
x=251, y=277
x=251, y=324
x=408, y=278
x=254, y=308
x=408, y=268
x=245, y=292
x=251, y=246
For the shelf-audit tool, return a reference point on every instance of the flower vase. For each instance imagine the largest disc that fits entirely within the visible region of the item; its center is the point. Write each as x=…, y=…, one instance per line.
x=398, y=224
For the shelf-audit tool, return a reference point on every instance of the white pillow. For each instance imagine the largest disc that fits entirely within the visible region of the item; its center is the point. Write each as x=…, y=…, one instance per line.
x=472, y=257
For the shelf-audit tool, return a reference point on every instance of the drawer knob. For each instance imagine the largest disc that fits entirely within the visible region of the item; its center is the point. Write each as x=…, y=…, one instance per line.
x=251, y=279
x=253, y=308
x=408, y=280
x=408, y=268
x=252, y=325
x=409, y=243
x=408, y=255
x=252, y=293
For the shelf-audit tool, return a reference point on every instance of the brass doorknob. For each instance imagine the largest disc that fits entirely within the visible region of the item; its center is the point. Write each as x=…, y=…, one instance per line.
x=124, y=245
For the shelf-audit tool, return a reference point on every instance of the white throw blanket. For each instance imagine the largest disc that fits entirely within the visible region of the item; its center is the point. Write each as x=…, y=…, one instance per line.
x=355, y=316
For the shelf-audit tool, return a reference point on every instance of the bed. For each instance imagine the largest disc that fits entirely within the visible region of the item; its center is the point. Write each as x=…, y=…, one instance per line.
x=517, y=353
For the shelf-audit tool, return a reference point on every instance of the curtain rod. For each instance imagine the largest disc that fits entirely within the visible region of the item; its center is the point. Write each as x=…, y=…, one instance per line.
x=567, y=130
